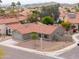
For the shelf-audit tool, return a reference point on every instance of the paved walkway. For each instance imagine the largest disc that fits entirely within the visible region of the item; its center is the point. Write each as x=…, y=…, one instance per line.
x=9, y=42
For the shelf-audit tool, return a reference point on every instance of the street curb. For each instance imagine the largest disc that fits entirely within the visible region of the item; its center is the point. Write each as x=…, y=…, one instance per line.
x=31, y=51
x=50, y=54
x=74, y=37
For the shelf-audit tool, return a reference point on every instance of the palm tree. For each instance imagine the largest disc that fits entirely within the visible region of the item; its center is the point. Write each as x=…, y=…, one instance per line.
x=13, y=11
x=2, y=12
x=13, y=5
x=18, y=4
x=52, y=10
x=0, y=2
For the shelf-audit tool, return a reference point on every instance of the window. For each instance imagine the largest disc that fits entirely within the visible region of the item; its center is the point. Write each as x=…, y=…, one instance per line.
x=39, y=35
x=45, y=36
x=73, y=26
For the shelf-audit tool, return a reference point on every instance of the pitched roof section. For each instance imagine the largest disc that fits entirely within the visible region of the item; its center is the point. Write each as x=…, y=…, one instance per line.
x=7, y=20
x=73, y=20
x=28, y=28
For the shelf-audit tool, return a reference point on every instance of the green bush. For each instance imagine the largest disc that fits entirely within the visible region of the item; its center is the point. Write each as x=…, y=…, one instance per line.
x=66, y=25
x=48, y=20
x=34, y=35
x=77, y=9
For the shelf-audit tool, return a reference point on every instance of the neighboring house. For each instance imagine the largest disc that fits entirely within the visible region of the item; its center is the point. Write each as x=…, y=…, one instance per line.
x=4, y=21
x=2, y=29
x=73, y=18
x=47, y=32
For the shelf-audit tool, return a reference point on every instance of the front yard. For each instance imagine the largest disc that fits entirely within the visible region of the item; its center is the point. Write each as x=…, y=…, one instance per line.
x=46, y=45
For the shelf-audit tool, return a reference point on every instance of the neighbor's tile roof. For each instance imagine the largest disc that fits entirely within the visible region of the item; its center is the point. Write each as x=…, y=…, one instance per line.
x=11, y=20
x=74, y=20
x=6, y=20
x=28, y=28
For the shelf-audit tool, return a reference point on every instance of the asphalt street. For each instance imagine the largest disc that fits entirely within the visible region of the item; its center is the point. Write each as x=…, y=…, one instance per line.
x=71, y=54
x=11, y=53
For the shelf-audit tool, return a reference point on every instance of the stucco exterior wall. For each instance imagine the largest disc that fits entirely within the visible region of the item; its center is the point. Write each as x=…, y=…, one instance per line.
x=27, y=36
x=3, y=29
x=16, y=35
x=59, y=31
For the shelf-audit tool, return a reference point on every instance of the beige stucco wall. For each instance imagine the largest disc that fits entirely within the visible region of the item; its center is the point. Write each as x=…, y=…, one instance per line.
x=2, y=29
x=16, y=35
x=58, y=32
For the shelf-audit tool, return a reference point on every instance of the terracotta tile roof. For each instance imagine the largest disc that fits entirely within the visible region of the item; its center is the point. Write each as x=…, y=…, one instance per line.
x=28, y=28
x=63, y=14
x=11, y=20
x=74, y=20
x=6, y=20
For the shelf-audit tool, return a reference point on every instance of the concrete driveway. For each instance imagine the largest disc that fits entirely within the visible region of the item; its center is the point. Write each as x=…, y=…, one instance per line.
x=9, y=42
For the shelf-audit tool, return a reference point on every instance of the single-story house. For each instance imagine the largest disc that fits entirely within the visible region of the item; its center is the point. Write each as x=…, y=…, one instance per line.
x=73, y=18
x=4, y=21
x=47, y=32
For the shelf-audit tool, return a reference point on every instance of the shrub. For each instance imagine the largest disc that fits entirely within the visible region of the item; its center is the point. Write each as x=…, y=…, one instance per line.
x=48, y=20
x=66, y=25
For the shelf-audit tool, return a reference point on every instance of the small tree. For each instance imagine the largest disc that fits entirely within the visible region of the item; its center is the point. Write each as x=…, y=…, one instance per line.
x=77, y=9
x=18, y=3
x=66, y=25
x=13, y=5
x=34, y=16
x=2, y=12
x=34, y=36
x=52, y=10
x=0, y=3
x=48, y=20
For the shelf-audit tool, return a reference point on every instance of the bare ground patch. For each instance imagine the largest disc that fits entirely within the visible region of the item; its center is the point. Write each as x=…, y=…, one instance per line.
x=46, y=45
